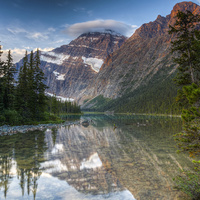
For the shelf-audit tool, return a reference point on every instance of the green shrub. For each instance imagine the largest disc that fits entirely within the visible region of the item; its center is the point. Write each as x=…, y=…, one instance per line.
x=189, y=183
x=2, y=119
x=12, y=117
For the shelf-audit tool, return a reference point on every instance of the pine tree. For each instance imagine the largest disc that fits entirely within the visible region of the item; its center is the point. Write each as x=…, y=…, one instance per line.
x=40, y=88
x=8, y=82
x=2, y=118
x=22, y=90
x=54, y=105
x=187, y=47
x=1, y=83
x=31, y=87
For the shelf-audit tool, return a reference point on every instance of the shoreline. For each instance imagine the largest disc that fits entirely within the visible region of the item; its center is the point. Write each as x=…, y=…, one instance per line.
x=134, y=114
x=10, y=130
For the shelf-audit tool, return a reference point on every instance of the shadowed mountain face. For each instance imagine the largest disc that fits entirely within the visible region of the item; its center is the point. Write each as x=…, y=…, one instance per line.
x=70, y=68
x=141, y=58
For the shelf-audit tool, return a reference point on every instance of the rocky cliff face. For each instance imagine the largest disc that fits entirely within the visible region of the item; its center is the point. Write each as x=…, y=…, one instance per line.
x=141, y=57
x=70, y=68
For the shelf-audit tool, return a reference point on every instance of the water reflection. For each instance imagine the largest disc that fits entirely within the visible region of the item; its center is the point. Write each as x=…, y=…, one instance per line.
x=20, y=156
x=78, y=161
x=114, y=157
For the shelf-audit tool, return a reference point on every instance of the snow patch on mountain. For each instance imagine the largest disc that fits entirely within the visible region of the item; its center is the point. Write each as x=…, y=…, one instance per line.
x=60, y=77
x=56, y=73
x=54, y=58
x=91, y=39
x=74, y=58
x=95, y=63
x=63, y=99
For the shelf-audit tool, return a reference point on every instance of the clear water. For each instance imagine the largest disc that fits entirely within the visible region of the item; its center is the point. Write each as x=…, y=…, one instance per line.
x=116, y=157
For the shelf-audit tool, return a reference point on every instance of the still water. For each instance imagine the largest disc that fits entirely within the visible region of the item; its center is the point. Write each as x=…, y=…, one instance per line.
x=114, y=157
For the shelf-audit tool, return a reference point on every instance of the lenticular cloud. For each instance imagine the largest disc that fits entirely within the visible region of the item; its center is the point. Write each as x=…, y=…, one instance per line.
x=98, y=26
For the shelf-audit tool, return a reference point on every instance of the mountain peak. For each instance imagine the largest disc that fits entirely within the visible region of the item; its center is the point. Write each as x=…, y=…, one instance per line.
x=105, y=31
x=112, y=32
x=161, y=25
x=183, y=6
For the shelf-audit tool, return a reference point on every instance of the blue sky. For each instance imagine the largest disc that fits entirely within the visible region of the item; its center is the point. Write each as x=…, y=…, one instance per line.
x=47, y=24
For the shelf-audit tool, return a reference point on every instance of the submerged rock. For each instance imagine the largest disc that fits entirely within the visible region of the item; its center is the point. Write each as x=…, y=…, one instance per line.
x=85, y=123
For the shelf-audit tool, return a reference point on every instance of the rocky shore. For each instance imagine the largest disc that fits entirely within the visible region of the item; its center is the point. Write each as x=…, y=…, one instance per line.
x=10, y=130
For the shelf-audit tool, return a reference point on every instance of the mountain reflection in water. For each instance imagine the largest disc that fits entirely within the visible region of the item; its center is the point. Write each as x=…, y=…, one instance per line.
x=137, y=159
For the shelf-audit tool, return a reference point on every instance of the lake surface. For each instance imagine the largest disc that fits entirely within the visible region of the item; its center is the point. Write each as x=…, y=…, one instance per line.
x=119, y=157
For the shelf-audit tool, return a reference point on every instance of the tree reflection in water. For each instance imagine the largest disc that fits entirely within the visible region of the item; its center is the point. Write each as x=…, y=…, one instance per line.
x=21, y=155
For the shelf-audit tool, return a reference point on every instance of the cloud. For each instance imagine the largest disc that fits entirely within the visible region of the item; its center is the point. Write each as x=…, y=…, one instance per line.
x=44, y=49
x=16, y=30
x=37, y=36
x=61, y=41
x=51, y=29
x=18, y=54
x=31, y=34
x=98, y=26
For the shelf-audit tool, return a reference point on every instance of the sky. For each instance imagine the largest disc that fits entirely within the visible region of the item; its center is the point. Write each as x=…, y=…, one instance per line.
x=47, y=24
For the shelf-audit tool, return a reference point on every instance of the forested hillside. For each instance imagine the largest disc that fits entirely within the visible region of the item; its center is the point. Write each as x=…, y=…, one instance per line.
x=24, y=101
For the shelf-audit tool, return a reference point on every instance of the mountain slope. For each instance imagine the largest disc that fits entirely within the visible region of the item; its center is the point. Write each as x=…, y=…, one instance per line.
x=143, y=59
x=70, y=68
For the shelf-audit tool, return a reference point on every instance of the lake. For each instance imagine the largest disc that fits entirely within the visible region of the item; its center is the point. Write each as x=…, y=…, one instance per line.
x=114, y=157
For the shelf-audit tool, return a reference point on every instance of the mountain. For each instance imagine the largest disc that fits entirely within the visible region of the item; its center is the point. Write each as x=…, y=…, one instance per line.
x=70, y=68
x=141, y=71
x=107, y=71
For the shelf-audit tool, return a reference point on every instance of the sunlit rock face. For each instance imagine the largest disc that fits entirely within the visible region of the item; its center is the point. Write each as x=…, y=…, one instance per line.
x=144, y=57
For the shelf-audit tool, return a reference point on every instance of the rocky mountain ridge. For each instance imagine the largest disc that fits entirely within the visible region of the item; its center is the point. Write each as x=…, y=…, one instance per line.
x=145, y=54
x=70, y=68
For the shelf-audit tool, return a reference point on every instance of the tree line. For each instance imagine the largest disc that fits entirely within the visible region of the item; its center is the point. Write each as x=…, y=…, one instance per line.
x=58, y=107
x=145, y=99
x=23, y=99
